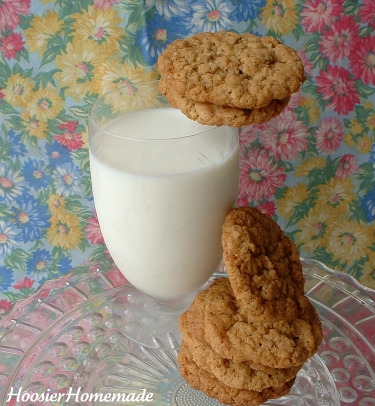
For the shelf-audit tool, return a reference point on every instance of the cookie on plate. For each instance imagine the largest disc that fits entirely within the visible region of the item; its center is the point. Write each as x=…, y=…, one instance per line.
x=263, y=266
x=217, y=318
x=236, y=375
x=233, y=70
x=205, y=381
x=213, y=114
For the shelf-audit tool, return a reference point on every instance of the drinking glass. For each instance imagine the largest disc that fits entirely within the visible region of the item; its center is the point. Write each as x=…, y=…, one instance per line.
x=162, y=185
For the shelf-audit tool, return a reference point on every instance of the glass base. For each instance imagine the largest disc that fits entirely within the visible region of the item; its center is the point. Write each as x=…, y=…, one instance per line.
x=149, y=322
x=139, y=375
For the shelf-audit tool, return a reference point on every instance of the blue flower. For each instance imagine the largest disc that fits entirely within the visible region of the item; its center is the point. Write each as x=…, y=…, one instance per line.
x=67, y=179
x=31, y=219
x=6, y=278
x=211, y=16
x=156, y=34
x=247, y=10
x=12, y=184
x=57, y=154
x=169, y=8
x=8, y=237
x=39, y=264
x=368, y=204
x=65, y=265
x=17, y=148
x=372, y=154
x=36, y=173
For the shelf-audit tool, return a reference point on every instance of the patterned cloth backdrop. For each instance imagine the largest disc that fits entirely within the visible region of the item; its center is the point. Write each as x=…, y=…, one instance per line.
x=311, y=168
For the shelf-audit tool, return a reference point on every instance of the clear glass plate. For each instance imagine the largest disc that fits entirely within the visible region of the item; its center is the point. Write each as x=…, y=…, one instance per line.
x=64, y=340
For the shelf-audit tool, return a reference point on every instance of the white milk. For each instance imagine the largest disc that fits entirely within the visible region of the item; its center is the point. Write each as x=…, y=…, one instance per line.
x=162, y=221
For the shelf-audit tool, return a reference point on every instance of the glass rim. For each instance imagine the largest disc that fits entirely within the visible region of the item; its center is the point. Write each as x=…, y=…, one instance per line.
x=91, y=121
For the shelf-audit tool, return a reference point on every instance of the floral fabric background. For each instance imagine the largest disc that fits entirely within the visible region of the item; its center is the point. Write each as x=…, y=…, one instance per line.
x=311, y=168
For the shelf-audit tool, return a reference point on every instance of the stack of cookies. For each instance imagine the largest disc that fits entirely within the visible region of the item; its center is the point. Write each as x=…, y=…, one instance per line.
x=225, y=78
x=245, y=337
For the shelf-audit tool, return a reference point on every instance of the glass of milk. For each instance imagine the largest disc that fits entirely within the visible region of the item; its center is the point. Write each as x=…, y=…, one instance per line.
x=162, y=186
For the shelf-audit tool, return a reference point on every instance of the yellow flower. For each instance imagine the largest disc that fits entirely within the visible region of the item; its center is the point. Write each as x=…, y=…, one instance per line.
x=308, y=165
x=364, y=144
x=371, y=121
x=368, y=105
x=46, y=103
x=33, y=126
x=65, y=230
x=349, y=140
x=348, y=241
x=312, y=229
x=368, y=270
x=309, y=104
x=98, y=29
x=113, y=75
x=335, y=194
x=355, y=127
x=280, y=16
x=293, y=197
x=56, y=203
x=42, y=28
x=76, y=67
x=18, y=90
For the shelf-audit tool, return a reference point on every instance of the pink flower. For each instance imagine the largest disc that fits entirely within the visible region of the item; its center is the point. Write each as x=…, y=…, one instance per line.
x=259, y=177
x=295, y=99
x=316, y=14
x=284, y=136
x=348, y=165
x=10, y=11
x=248, y=134
x=328, y=135
x=339, y=41
x=362, y=60
x=104, y=4
x=69, y=138
x=336, y=86
x=27, y=283
x=11, y=44
x=92, y=230
x=367, y=12
x=308, y=66
x=5, y=306
x=268, y=208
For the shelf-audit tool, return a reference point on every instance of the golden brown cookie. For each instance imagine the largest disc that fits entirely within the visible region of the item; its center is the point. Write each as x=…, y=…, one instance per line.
x=236, y=375
x=212, y=114
x=203, y=380
x=228, y=69
x=263, y=266
x=216, y=318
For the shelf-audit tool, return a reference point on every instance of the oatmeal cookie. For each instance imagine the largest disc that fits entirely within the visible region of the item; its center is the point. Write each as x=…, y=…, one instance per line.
x=203, y=380
x=212, y=114
x=228, y=69
x=236, y=375
x=217, y=318
x=263, y=266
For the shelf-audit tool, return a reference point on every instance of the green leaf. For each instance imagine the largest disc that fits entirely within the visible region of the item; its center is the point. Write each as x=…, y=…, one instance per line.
x=132, y=53
x=80, y=111
x=42, y=79
x=98, y=253
x=17, y=259
x=135, y=12
x=6, y=108
x=312, y=44
x=68, y=7
x=364, y=90
x=5, y=73
x=365, y=31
